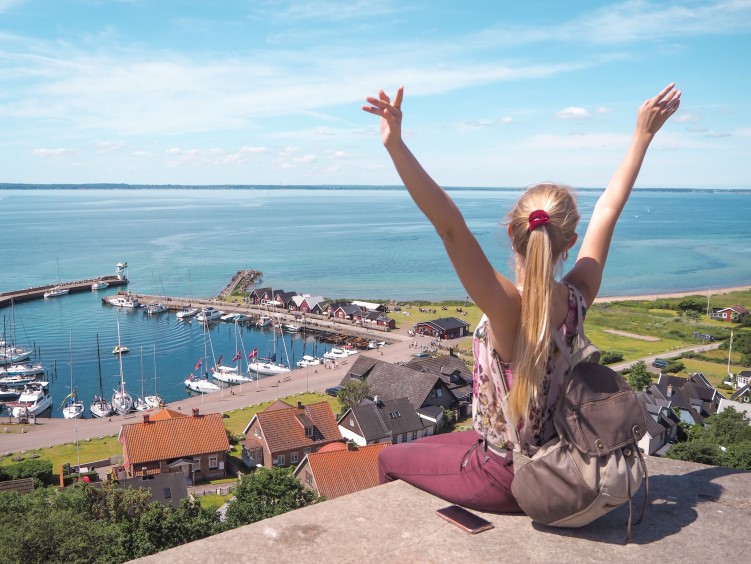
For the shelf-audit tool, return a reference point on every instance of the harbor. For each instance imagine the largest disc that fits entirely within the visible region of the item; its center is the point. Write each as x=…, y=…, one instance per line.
x=179, y=346
x=38, y=292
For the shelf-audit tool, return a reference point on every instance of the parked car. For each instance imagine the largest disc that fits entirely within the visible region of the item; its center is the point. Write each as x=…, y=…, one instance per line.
x=334, y=391
x=660, y=363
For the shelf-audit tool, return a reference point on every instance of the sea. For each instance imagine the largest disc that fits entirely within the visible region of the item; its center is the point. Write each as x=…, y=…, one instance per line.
x=350, y=242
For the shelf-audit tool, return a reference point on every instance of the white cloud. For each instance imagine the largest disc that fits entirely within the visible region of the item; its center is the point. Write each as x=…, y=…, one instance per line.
x=573, y=112
x=109, y=146
x=45, y=153
x=580, y=141
x=685, y=117
x=717, y=134
x=604, y=110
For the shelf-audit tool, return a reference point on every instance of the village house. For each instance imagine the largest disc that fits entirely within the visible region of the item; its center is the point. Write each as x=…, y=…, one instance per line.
x=283, y=299
x=733, y=313
x=392, y=381
x=444, y=328
x=661, y=424
x=742, y=394
x=740, y=407
x=693, y=398
x=170, y=441
x=340, y=469
x=168, y=489
x=452, y=370
x=282, y=434
x=383, y=421
x=742, y=378
x=345, y=312
x=380, y=319
x=260, y=296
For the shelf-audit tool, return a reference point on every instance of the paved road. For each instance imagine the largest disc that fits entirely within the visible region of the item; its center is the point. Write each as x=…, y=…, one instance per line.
x=675, y=353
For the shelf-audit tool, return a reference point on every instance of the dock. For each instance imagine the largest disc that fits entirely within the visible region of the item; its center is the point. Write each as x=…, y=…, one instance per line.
x=28, y=294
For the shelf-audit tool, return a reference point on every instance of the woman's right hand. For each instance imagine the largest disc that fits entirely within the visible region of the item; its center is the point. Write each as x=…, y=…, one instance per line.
x=390, y=114
x=654, y=112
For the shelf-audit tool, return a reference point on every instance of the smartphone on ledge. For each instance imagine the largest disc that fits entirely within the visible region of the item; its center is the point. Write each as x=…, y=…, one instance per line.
x=464, y=519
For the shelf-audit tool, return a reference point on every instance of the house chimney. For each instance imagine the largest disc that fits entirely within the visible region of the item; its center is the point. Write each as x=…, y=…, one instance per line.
x=145, y=417
x=670, y=390
x=351, y=445
x=376, y=401
x=299, y=405
x=196, y=411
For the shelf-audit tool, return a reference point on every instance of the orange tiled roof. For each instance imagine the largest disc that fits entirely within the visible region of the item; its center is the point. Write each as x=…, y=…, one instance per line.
x=344, y=471
x=284, y=431
x=165, y=413
x=173, y=438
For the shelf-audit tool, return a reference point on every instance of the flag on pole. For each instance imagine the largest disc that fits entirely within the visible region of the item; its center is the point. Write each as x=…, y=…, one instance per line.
x=198, y=365
x=253, y=353
x=237, y=357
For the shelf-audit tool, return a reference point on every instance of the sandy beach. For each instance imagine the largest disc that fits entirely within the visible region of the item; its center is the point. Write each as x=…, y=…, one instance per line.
x=647, y=297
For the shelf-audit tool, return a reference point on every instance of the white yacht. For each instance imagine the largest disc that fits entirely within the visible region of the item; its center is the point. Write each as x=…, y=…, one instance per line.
x=14, y=381
x=123, y=301
x=263, y=321
x=120, y=349
x=154, y=401
x=13, y=355
x=56, y=291
x=336, y=353
x=230, y=375
x=34, y=399
x=24, y=369
x=267, y=368
x=209, y=313
x=187, y=313
x=154, y=309
x=100, y=407
x=308, y=360
x=201, y=385
x=100, y=285
x=291, y=327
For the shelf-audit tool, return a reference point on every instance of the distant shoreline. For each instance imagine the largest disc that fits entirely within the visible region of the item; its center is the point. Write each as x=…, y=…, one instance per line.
x=650, y=297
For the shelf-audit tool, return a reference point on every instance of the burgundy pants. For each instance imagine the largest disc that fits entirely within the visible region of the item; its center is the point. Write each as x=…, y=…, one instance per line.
x=455, y=467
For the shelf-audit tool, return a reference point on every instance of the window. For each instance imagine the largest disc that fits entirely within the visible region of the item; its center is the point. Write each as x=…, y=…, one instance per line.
x=414, y=435
x=438, y=392
x=309, y=478
x=394, y=414
x=279, y=460
x=257, y=432
x=213, y=462
x=167, y=493
x=293, y=458
x=196, y=465
x=308, y=431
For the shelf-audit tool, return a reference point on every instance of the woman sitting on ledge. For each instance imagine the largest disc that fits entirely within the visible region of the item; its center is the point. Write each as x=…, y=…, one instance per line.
x=514, y=339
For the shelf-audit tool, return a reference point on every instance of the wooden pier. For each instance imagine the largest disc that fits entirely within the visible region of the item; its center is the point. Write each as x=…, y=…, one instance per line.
x=28, y=294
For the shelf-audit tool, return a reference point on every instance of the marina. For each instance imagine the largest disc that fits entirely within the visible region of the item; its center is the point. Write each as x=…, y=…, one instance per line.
x=263, y=342
x=62, y=289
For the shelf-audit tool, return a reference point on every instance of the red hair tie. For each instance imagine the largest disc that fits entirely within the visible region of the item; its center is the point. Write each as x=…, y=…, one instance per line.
x=537, y=218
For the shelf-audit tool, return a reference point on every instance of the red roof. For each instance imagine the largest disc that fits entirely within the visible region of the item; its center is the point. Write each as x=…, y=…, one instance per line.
x=165, y=413
x=344, y=470
x=284, y=429
x=173, y=438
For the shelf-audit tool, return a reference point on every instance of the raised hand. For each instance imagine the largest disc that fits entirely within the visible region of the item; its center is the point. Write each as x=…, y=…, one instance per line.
x=654, y=112
x=390, y=114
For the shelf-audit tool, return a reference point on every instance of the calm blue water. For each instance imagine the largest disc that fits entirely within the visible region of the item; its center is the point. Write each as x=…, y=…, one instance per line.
x=368, y=243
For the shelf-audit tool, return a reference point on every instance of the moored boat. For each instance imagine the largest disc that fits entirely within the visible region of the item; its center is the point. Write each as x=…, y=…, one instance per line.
x=123, y=301
x=34, y=399
x=201, y=385
x=263, y=321
x=154, y=309
x=72, y=407
x=16, y=381
x=337, y=353
x=187, y=313
x=209, y=313
x=7, y=393
x=267, y=368
x=120, y=349
x=291, y=327
x=230, y=375
x=308, y=360
x=56, y=291
x=100, y=285
x=13, y=355
x=24, y=369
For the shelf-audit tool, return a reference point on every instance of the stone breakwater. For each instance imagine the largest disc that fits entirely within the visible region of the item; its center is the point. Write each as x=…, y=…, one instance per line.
x=241, y=281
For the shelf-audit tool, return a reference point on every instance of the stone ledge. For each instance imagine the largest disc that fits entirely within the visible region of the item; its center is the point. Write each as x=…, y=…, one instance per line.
x=696, y=513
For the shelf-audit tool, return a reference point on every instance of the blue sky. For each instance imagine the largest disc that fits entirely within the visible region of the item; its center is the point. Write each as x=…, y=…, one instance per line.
x=269, y=92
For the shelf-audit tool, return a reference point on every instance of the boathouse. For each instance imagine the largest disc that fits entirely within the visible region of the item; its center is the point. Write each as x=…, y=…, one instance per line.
x=444, y=328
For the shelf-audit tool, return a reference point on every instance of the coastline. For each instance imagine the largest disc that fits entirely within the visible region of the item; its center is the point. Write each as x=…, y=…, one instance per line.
x=649, y=297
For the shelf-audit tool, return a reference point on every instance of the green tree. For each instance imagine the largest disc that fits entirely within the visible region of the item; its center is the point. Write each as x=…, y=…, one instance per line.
x=639, y=376
x=697, y=451
x=738, y=456
x=674, y=367
x=691, y=304
x=609, y=357
x=354, y=392
x=727, y=427
x=265, y=493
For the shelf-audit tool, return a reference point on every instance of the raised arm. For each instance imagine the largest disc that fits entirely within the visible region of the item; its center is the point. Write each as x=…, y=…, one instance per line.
x=494, y=294
x=586, y=274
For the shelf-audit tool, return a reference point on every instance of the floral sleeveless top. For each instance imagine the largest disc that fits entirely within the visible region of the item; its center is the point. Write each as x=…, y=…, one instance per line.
x=489, y=403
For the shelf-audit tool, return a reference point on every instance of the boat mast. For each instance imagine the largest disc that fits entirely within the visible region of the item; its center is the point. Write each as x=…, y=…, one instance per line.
x=99, y=363
x=730, y=350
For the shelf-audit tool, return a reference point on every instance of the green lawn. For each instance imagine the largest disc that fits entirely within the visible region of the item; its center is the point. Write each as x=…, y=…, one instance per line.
x=212, y=502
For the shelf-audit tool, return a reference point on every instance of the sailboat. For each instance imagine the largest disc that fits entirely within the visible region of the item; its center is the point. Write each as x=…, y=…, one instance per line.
x=202, y=385
x=232, y=374
x=269, y=366
x=100, y=407
x=154, y=401
x=57, y=290
x=140, y=403
x=72, y=407
x=122, y=401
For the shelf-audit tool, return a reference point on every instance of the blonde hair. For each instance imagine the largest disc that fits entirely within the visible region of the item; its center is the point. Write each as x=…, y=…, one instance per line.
x=539, y=250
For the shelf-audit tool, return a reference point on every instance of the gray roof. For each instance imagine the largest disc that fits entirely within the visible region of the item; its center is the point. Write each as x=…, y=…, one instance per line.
x=740, y=392
x=447, y=323
x=447, y=367
x=391, y=381
x=386, y=419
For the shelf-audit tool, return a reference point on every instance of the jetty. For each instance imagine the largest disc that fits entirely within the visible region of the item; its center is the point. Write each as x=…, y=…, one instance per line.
x=241, y=281
x=28, y=294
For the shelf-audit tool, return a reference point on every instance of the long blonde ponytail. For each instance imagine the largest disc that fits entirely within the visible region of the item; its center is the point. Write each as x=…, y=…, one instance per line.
x=539, y=248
